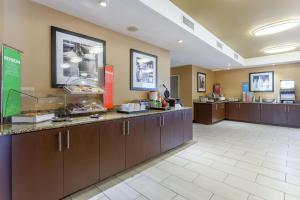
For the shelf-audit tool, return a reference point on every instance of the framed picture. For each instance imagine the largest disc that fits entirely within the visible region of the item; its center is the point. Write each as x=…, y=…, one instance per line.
x=74, y=56
x=201, y=82
x=261, y=81
x=143, y=71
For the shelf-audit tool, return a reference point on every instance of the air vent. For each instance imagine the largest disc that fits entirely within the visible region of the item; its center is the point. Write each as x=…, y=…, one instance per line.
x=188, y=23
x=236, y=56
x=219, y=45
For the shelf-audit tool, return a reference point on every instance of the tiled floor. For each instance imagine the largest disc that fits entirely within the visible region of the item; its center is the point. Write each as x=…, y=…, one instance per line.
x=226, y=161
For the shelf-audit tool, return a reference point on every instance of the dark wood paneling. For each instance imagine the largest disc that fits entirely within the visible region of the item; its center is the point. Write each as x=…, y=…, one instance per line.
x=177, y=133
x=135, y=139
x=280, y=114
x=112, y=148
x=81, y=158
x=243, y=112
x=167, y=131
x=232, y=111
x=266, y=113
x=5, y=167
x=202, y=113
x=254, y=112
x=37, y=166
x=218, y=112
x=188, y=125
x=152, y=136
x=294, y=115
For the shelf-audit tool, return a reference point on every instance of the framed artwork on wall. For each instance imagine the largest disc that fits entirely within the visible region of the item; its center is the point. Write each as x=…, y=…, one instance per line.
x=143, y=71
x=74, y=56
x=201, y=82
x=261, y=81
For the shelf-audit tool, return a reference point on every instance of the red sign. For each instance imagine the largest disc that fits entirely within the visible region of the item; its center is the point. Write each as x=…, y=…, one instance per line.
x=108, y=86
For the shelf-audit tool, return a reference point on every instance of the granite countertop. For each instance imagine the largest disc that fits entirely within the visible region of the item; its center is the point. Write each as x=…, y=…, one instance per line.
x=14, y=129
x=197, y=101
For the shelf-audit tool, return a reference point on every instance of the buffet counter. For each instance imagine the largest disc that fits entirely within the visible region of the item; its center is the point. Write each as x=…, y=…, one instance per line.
x=13, y=129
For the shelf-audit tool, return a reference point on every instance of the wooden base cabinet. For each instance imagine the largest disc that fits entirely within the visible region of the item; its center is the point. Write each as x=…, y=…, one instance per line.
x=37, y=165
x=55, y=163
x=81, y=157
x=112, y=147
x=209, y=113
x=293, y=115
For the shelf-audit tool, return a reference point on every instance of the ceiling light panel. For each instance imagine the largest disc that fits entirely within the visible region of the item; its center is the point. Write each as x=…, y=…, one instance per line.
x=276, y=27
x=280, y=48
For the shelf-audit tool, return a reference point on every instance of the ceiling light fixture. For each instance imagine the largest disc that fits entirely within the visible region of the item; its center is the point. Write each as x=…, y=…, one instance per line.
x=280, y=48
x=103, y=3
x=180, y=41
x=276, y=27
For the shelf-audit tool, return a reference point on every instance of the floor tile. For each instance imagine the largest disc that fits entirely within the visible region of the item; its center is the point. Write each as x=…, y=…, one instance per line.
x=87, y=193
x=207, y=171
x=293, y=179
x=180, y=172
x=151, y=189
x=186, y=189
x=279, y=185
x=177, y=161
x=242, y=173
x=254, y=188
x=156, y=174
x=219, y=158
x=220, y=189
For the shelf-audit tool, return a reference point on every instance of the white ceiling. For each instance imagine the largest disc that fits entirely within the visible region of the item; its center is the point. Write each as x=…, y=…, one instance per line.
x=160, y=24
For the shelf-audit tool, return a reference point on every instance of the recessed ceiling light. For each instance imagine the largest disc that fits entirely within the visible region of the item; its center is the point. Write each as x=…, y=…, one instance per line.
x=276, y=27
x=132, y=28
x=103, y=3
x=280, y=48
x=180, y=41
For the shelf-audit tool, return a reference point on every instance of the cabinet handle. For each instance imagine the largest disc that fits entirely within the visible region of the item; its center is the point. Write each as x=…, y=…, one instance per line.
x=128, y=131
x=124, y=127
x=59, y=142
x=68, y=139
x=163, y=120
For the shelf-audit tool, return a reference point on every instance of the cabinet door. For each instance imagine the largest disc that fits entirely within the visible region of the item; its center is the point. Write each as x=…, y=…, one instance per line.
x=81, y=157
x=254, y=112
x=203, y=113
x=152, y=135
x=178, y=123
x=243, y=109
x=218, y=111
x=37, y=166
x=232, y=111
x=294, y=115
x=266, y=115
x=135, y=137
x=280, y=114
x=188, y=125
x=5, y=166
x=112, y=147
x=166, y=131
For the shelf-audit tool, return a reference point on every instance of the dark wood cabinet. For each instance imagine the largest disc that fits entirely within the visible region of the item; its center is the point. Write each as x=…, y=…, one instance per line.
x=81, y=157
x=243, y=112
x=167, y=128
x=112, y=147
x=135, y=140
x=152, y=135
x=208, y=113
x=232, y=111
x=254, y=112
x=53, y=164
x=266, y=113
x=293, y=115
x=5, y=167
x=187, y=125
x=177, y=131
x=279, y=114
x=37, y=165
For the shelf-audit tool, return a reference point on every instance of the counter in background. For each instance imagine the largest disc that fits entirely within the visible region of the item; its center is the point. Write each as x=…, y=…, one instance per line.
x=209, y=112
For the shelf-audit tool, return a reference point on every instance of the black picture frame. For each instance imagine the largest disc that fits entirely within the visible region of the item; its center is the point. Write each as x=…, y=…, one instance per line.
x=132, y=85
x=54, y=66
x=261, y=73
x=200, y=90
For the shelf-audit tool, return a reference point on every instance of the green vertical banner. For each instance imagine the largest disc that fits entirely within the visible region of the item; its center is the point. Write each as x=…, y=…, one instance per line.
x=11, y=81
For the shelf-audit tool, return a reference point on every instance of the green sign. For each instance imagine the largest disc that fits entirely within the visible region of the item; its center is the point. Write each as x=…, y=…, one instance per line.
x=11, y=81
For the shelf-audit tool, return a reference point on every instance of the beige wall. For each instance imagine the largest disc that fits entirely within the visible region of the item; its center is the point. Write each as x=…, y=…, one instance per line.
x=27, y=27
x=231, y=81
x=185, y=89
x=210, y=78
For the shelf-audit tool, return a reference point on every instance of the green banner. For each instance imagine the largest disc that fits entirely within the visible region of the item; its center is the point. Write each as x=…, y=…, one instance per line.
x=11, y=81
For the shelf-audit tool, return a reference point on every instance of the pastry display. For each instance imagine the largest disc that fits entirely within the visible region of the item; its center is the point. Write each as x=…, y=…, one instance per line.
x=82, y=89
x=77, y=108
